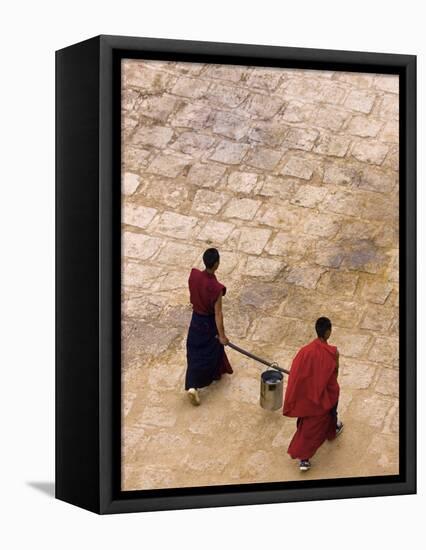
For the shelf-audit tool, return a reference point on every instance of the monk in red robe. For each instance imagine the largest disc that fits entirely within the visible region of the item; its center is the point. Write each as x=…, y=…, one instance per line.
x=206, y=357
x=312, y=394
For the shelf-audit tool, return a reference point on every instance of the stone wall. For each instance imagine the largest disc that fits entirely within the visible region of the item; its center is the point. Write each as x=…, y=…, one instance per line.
x=293, y=176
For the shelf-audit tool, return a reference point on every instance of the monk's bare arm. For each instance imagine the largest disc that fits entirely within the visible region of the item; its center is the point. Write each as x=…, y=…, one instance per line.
x=337, y=362
x=219, y=320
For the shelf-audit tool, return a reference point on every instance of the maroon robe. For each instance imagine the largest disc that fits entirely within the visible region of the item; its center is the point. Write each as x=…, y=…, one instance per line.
x=311, y=396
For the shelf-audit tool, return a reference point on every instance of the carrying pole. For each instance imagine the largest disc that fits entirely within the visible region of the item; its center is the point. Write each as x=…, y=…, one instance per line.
x=256, y=358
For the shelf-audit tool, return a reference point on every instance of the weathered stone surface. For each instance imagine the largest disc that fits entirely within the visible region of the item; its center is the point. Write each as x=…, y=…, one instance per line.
x=331, y=117
x=190, y=87
x=242, y=182
x=191, y=143
x=384, y=350
x=227, y=124
x=174, y=253
x=338, y=283
x=229, y=152
x=299, y=168
x=139, y=246
x=215, y=231
x=253, y=240
x=263, y=106
x=378, y=318
x=388, y=383
x=387, y=83
x=139, y=275
x=301, y=138
x=174, y=225
x=137, y=215
x=333, y=145
x=351, y=344
x=263, y=267
x=355, y=375
x=364, y=126
x=268, y=248
x=205, y=175
x=130, y=183
x=193, y=115
x=376, y=291
x=266, y=79
x=370, y=151
x=167, y=192
x=278, y=187
x=244, y=209
x=152, y=136
x=268, y=134
x=209, y=202
x=291, y=246
x=306, y=276
x=170, y=166
x=264, y=158
x=321, y=225
x=309, y=196
x=360, y=100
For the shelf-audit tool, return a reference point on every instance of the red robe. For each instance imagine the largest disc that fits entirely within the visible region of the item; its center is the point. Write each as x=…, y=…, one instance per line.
x=312, y=392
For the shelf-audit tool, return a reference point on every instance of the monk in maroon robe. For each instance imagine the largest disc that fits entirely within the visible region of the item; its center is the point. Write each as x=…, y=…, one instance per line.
x=312, y=394
x=206, y=357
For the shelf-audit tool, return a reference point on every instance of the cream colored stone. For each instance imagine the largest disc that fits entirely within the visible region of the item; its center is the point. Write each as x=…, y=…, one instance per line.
x=253, y=240
x=137, y=215
x=158, y=108
x=242, y=182
x=360, y=100
x=370, y=151
x=299, y=168
x=139, y=246
x=377, y=318
x=230, y=125
x=244, y=209
x=290, y=246
x=190, y=87
x=263, y=158
x=205, y=175
x=335, y=283
x=193, y=143
x=309, y=196
x=268, y=133
x=130, y=183
x=263, y=106
x=278, y=187
x=170, y=166
x=388, y=383
x=331, y=118
x=350, y=344
x=208, y=202
x=263, y=267
x=229, y=152
x=215, y=231
x=139, y=275
x=152, y=136
x=385, y=350
x=301, y=138
x=193, y=115
x=306, y=276
x=364, y=126
x=355, y=374
x=174, y=225
x=333, y=145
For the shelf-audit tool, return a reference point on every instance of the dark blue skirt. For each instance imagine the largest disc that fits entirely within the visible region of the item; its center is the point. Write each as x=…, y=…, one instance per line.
x=205, y=354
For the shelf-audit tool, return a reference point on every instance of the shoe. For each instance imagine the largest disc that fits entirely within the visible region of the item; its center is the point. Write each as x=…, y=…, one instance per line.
x=339, y=427
x=304, y=465
x=193, y=396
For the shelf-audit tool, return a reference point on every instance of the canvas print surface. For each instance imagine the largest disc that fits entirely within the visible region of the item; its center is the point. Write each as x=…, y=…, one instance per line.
x=292, y=176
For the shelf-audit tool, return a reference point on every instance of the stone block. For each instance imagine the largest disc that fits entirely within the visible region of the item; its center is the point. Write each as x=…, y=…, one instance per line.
x=331, y=118
x=148, y=80
x=208, y=202
x=364, y=126
x=378, y=318
x=263, y=106
x=215, y=232
x=265, y=79
x=390, y=132
x=139, y=246
x=229, y=152
x=360, y=100
x=301, y=138
x=223, y=95
x=190, y=87
x=177, y=254
x=267, y=134
x=338, y=173
x=355, y=374
x=388, y=382
x=242, y=182
x=137, y=215
x=171, y=193
x=263, y=267
x=371, y=410
x=262, y=295
x=321, y=225
x=309, y=196
x=350, y=344
x=376, y=291
x=306, y=276
x=291, y=247
x=233, y=73
x=299, y=168
x=159, y=417
x=158, y=108
x=275, y=186
x=297, y=111
x=370, y=151
x=193, y=115
x=193, y=143
x=264, y=158
x=130, y=183
x=385, y=350
x=169, y=166
x=152, y=136
x=232, y=126
x=389, y=107
x=244, y=209
x=205, y=175
x=338, y=283
x=136, y=275
x=387, y=83
x=332, y=145
x=174, y=225
x=269, y=329
x=253, y=240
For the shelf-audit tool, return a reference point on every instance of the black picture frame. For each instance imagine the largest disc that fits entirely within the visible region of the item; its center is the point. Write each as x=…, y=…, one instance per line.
x=88, y=260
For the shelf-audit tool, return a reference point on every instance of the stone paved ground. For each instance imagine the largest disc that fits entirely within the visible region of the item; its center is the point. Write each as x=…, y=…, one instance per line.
x=293, y=175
